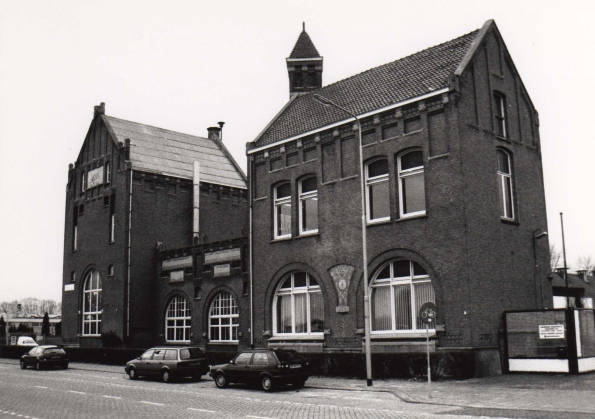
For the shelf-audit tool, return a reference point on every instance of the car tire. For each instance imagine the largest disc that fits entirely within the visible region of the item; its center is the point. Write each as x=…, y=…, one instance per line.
x=23, y=365
x=299, y=383
x=221, y=381
x=267, y=383
x=65, y=366
x=166, y=376
x=132, y=374
x=37, y=366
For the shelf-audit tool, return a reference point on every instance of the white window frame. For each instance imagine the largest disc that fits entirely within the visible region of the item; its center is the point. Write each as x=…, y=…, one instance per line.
x=83, y=182
x=404, y=174
x=278, y=202
x=95, y=292
x=392, y=282
x=108, y=172
x=75, y=236
x=371, y=181
x=173, y=314
x=302, y=198
x=112, y=229
x=501, y=113
x=503, y=178
x=233, y=314
x=293, y=291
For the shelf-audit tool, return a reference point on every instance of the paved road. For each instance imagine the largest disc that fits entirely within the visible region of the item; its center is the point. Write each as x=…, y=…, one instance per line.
x=90, y=394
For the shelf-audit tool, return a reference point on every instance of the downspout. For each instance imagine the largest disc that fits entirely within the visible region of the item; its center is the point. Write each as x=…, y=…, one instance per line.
x=196, y=204
x=129, y=255
x=251, y=267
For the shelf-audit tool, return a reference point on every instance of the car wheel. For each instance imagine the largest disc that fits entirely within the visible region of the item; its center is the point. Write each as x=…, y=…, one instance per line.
x=165, y=376
x=221, y=381
x=65, y=366
x=267, y=383
x=23, y=365
x=132, y=374
x=37, y=366
x=299, y=383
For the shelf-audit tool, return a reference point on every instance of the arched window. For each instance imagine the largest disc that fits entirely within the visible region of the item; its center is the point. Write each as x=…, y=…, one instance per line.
x=412, y=196
x=505, y=184
x=282, y=215
x=308, y=193
x=377, y=195
x=92, y=306
x=298, y=306
x=223, y=318
x=178, y=321
x=399, y=289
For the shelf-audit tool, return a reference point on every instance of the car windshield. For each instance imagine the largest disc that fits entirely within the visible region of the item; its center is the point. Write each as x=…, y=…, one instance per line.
x=54, y=351
x=191, y=353
x=288, y=356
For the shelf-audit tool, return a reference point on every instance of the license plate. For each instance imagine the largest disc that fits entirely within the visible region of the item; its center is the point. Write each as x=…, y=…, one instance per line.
x=296, y=366
x=193, y=364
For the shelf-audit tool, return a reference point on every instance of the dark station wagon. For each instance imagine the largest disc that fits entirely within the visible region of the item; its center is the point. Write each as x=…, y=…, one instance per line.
x=169, y=363
x=267, y=367
x=45, y=356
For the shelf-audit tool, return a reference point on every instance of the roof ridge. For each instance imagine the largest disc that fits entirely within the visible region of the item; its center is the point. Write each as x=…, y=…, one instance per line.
x=392, y=62
x=157, y=128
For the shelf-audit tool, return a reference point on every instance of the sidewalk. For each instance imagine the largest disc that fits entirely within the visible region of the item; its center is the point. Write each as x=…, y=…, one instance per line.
x=529, y=392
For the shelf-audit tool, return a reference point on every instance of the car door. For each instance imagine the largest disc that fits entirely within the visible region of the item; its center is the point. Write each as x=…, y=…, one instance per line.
x=31, y=356
x=239, y=370
x=143, y=366
x=156, y=362
x=260, y=363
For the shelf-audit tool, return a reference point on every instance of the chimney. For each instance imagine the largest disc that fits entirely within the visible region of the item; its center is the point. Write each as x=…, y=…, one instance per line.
x=99, y=110
x=583, y=274
x=214, y=133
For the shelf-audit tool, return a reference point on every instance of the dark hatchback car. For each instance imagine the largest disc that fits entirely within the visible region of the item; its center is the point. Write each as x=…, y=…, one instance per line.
x=169, y=363
x=267, y=367
x=45, y=356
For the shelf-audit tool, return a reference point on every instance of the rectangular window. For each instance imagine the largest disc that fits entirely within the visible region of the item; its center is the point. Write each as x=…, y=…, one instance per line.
x=83, y=183
x=377, y=191
x=112, y=219
x=282, y=216
x=75, y=218
x=108, y=172
x=308, y=206
x=505, y=185
x=500, y=114
x=412, y=199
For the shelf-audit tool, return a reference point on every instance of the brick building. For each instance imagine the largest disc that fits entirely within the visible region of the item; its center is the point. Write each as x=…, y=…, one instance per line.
x=133, y=192
x=454, y=197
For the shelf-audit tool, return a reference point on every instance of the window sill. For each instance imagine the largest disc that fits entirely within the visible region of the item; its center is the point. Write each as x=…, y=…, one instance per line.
x=404, y=335
x=277, y=338
x=260, y=199
x=411, y=217
x=389, y=139
x=281, y=239
x=509, y=221
x=312, y=234
x=378, y=222
x=223, y=342
x=350, y=177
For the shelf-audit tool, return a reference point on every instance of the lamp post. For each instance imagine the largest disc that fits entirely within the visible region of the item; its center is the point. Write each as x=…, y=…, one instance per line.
x=327, y=102
x=565, y=267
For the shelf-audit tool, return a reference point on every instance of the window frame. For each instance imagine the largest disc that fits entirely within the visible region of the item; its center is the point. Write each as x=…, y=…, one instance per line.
x=95, y=316
x=503, y=178
x=404, y=174
x=186, y=318
x=292, y=292
x=500, y=115
x=108, y=172
x=83, y=182
x=303, y=197
x=277, y=204
x=233, y=315
x=375, y=180
x=392, y=282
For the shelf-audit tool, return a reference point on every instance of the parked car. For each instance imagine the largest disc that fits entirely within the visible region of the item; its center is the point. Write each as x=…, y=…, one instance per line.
x=26, y=341
x=267, y=367
x=169, y=362
x=45, y=356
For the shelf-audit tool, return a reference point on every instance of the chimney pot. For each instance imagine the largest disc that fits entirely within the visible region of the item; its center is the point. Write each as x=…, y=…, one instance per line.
x=214, y=133
x=99, y=110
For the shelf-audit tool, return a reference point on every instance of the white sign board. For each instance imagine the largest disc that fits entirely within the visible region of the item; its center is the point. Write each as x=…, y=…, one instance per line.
x=551, y=331
x=228, y=255
x=69, y=287
x=222, y=270
x=95, y=177
x=176, y=276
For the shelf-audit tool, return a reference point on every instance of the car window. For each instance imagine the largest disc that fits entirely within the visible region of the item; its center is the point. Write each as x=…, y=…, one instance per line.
x=27, y=341
x=288, y=356
x=260, y=358
x=54, y=351
x=33, y=351
x=191, y=353
x=147, y=355
x=243, y=358
x=158, y=355
x=171, y=354
x=272, y=358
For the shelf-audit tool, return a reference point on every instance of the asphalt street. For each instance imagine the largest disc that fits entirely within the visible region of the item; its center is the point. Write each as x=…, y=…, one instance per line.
x=89, y=394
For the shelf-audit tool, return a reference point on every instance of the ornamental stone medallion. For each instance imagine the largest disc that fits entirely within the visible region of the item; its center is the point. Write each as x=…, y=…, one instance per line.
x=342, y=277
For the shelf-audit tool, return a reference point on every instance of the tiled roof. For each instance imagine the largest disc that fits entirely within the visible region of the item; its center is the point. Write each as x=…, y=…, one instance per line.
x=409, y=77
x=574, y=282
x=158, y=150
x=304, y=47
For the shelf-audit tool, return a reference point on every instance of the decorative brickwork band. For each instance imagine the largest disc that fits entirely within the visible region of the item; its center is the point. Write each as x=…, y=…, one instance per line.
x=342, y=277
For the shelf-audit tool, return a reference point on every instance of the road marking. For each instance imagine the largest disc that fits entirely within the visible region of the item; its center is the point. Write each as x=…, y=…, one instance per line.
x=201, y=410
x=76, y=392
x=258, y=417
x=153, y=403
x=362, y=398
x=112, y=397
x=40, y=386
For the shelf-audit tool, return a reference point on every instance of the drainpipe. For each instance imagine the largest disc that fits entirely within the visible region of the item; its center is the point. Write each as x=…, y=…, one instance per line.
x=250, y=245
x=129, y=256
x=196, y=204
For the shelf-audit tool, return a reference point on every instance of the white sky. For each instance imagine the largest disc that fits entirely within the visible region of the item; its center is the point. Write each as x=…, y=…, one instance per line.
x=184, y=65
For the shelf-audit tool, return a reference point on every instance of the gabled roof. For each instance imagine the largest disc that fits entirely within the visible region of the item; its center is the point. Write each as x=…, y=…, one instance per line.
x=575, y=281
x=304, y=47
x=165, y=152
x=409, y=77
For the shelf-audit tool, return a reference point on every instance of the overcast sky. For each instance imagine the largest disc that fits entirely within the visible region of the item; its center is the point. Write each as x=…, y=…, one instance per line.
x=185, y=65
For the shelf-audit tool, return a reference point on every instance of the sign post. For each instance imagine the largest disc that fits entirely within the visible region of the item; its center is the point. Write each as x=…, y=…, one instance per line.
x=428, y=313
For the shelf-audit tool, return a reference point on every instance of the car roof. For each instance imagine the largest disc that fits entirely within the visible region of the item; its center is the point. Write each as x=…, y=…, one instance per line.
x=174, y=347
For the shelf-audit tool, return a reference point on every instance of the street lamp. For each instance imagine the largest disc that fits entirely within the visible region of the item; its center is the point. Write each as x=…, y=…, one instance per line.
x=327, y=102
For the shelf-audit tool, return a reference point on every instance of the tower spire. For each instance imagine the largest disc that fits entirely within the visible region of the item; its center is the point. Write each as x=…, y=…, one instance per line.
x=304, y=66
